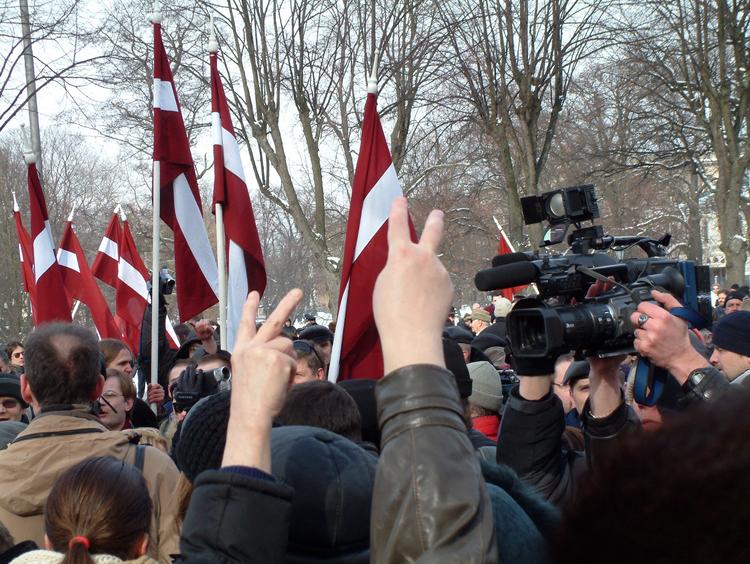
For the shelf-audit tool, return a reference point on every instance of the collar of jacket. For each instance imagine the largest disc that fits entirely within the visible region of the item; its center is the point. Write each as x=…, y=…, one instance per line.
x=80, y=410
x=743, y=378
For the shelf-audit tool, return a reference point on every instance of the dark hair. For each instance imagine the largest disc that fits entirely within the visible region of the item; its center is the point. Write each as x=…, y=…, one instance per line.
x=102, y=499
x=10, y=347
x=62, y=364
x=309, y=352
x=110, y=348
x=689, y=480
x=221, y=355
x=320, y=403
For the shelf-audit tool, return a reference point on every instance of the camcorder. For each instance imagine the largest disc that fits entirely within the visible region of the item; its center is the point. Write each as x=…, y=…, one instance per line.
x=194, y=384
x=563, y=317
x=166, y=283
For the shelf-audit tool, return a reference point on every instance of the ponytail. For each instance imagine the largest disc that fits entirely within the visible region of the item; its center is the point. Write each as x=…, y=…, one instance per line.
x=78, y=551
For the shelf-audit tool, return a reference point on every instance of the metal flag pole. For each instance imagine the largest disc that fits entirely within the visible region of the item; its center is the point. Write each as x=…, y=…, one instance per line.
x=221, y=249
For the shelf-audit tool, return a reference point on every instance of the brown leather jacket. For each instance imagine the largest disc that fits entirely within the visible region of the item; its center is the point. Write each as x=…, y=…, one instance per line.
x=55, y=441
x=430, y=503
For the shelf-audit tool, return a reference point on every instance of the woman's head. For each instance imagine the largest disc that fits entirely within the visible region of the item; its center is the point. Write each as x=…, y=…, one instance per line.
x=99, y=506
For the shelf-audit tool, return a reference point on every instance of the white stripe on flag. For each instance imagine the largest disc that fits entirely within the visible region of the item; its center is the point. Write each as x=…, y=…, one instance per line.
x=237, y=289
x=68, y=260
x=164, y=96
x=376, y=207
x=338, y=337
x=44, y=255
x=20, y=251
x=230, y=148
x=170, y=331
x=109, y=248
x=193, y=229
x=131, y=277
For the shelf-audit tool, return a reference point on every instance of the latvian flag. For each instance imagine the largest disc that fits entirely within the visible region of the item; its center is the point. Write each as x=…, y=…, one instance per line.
x=52, y=303
x=356, y=346
x=195, y=265
x=245, y=266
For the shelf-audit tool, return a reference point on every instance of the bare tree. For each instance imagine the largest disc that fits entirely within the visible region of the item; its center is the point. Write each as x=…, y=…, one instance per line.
x=694, y=59
x=511, y=64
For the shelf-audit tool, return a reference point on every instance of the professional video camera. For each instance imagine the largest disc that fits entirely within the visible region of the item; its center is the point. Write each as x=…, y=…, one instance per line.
x=590, y=325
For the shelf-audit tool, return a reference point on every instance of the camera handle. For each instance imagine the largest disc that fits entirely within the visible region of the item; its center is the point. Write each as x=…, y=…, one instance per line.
x=650, y=379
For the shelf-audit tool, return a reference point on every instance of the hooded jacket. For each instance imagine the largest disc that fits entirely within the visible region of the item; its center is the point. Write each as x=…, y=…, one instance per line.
x=55, y=441
x=50, y=557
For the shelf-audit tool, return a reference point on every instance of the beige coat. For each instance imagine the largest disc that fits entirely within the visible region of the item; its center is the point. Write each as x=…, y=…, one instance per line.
x=54, y=442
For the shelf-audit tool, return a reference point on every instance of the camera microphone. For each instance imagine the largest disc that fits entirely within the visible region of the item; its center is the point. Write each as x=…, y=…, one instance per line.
x=518, y=273
x=500, y=260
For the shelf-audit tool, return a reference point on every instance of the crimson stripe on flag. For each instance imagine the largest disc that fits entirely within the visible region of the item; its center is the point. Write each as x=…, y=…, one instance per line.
x=105, y=262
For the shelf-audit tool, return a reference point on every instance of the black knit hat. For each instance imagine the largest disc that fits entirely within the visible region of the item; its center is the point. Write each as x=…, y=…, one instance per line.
x=732, y=332
x=10, y=387
x=736, y=295
x=203, y=436
x=458, y=334
x=454, y=361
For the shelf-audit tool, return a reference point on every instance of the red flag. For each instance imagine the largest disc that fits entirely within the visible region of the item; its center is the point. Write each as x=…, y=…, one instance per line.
x=245, y=266
x=356, y=346
x=26, y=255
x=131, y=296
x=80, y=284
x=504, y=247
x=107, y=257
x=195, y=265
x=52, y=302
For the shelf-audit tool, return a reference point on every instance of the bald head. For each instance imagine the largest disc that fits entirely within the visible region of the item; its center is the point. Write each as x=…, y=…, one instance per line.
x=62, y=364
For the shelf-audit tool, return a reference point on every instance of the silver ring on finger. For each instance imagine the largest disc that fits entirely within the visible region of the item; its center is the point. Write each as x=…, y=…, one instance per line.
x=642, y=318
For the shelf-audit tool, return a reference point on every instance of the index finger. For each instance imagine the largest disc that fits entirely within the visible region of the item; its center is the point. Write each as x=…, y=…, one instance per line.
x=273, y=324
x=398, y=222
x=653, y=310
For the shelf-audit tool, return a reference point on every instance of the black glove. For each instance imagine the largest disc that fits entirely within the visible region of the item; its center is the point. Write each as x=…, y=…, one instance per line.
x=533, y=366
x=192, y=386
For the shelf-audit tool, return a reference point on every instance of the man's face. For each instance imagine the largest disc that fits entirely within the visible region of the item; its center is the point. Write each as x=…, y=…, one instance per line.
x=123, y=362
x=305, y=374
x=732, y=305
x=10, y=409
x=721, y=299
x=174, y=375
x=324, y=348
x=650, y=416
x=562, y=391
x=716, y=288
x=16, y=357
x=730, y=363
x=478, y=326
x=115, y=409
x=579, y=391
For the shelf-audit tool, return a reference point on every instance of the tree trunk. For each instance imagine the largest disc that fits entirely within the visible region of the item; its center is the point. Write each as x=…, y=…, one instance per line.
x=733, y=244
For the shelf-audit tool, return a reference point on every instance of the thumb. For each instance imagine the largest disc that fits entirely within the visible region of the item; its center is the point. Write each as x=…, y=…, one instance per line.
x=666, y=299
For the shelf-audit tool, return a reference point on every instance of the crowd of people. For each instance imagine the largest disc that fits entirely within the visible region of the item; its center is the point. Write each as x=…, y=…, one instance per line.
x=458, y=452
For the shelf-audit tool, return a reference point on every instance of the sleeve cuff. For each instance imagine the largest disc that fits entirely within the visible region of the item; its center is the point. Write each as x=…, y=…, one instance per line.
x=249, y=472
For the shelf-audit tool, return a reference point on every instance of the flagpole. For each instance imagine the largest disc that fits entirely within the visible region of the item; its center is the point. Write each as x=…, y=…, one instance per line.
x=156, y=190
x=221, y=249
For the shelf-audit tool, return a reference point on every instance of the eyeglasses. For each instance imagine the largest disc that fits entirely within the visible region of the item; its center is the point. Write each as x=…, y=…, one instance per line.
x=111, y=395
x=18, y=354
x=307, y=347
x=10, y=403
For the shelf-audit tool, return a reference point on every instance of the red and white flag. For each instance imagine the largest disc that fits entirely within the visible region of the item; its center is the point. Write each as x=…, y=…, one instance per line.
x=505, y=247
x=81, y=285
x=26, y=255
x=131, y=290
x=107, y=256
x=52, y=303
x=246, y=269
x=356, y=345
x=195, y=265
